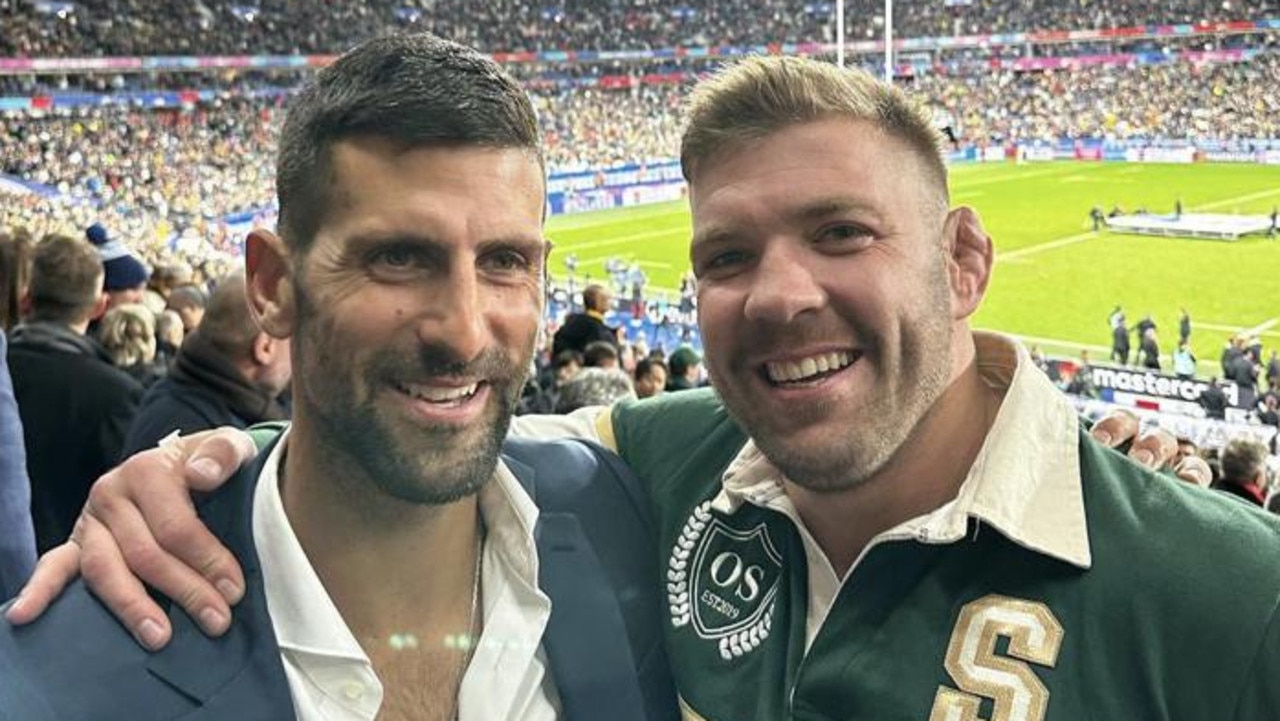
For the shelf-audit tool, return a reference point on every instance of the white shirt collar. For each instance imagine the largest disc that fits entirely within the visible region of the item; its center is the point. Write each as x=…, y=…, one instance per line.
x=329, y=673
x=1025, y=481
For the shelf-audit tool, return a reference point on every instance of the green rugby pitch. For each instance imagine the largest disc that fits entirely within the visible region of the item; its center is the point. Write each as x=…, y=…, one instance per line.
x=1055, y=280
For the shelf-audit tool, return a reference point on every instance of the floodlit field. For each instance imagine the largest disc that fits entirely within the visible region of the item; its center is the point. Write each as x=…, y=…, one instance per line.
x=1055, y=280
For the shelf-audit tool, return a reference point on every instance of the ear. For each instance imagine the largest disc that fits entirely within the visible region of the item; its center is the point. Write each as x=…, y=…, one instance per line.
x=100, y=307
x=269, y=283
x=970, y=257
x=264, y=348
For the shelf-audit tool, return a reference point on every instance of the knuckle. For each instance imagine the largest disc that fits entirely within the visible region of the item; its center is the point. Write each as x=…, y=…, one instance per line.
x=172, y=531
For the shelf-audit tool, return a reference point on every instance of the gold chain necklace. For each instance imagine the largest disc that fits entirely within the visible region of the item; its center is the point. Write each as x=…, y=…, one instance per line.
x=475, y=622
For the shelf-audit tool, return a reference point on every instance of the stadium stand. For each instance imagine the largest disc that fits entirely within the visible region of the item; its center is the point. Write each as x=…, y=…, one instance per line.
x=139, y=27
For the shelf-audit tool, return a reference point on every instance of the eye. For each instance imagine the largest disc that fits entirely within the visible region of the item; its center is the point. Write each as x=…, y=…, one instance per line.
x=505, y=261
x=393, y=257
x=843, y=233
x=721, y=263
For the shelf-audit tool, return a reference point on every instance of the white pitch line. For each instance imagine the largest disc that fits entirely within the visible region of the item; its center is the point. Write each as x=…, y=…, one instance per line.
x=619, y=239
x=1263, y=328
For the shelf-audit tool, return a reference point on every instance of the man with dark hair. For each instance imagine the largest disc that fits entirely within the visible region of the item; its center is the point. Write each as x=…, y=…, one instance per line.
x=189, y=303
x=685, y=365
x=600, y=354
x=1214, y=400
x=395, y=568
x=1244, y=470
x=75, y=405
x=651, y=377
x=581, y=329
x=228, y=373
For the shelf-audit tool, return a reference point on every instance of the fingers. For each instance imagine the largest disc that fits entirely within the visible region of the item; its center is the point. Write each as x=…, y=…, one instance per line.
x=1194, y=469
x=1153, y=449
x=56, y=569
x=140, y=520
x=209, y=458
x=105, y=572
x=1115, y=428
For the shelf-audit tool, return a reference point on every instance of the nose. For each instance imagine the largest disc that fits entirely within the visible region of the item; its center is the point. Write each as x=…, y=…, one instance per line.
x=784, y=285
x=455, y=314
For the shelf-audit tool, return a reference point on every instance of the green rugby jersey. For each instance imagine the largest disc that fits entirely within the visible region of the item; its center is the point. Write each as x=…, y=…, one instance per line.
x=1167, y=610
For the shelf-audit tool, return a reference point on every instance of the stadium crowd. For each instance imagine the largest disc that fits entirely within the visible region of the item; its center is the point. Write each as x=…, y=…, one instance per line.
x=138, y=27
x=123, y=321
x=154, y=175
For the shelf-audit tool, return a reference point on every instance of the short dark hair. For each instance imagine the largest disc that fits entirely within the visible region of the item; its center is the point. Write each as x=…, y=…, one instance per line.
x=414, y=89
x=645, y=366
x=598, y=351
x=227, y=324
x=565, y=357
x=66, y=280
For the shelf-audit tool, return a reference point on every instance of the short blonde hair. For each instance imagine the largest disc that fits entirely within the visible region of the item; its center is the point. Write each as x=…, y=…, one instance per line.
x=128, y=332
x=760, y=95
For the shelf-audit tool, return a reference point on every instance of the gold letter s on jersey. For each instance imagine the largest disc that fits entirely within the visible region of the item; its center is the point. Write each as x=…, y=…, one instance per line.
x=1018, y=695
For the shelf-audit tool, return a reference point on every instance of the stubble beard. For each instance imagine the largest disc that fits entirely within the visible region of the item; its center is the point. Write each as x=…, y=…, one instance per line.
x=411, y=462
x=882, y=429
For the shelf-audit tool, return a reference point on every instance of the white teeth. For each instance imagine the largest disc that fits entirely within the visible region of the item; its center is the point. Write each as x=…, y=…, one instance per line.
x=436, y=394
x=806, y=368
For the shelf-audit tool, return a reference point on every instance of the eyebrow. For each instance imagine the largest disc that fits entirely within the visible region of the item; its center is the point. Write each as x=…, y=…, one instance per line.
x=807, y=213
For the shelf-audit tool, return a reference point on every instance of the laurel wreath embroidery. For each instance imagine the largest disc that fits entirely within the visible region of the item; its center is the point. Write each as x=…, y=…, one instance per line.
x=736, y=644
x=678, y=565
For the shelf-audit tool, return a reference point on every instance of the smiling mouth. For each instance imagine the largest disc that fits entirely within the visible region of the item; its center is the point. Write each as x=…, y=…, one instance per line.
x=443, y=396
x=808, y=370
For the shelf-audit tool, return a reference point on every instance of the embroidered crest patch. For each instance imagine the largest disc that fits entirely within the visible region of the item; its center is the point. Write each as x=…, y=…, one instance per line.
x=723, y=581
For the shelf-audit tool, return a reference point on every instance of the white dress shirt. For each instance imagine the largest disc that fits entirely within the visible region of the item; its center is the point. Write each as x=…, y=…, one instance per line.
x=330, y=676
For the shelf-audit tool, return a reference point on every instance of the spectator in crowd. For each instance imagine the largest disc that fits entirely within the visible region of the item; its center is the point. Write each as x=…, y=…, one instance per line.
x=651, y=377
x=1214, y=400
x=75, y=405
x=600, y=354
x=1184, y=362
x=1243, y=462
x=1149, y=348
x=125, y=275
x=92, y=29
x=228, y=373
x=1269, y=410
x=1232, y=352
x=188, y=301
x=15, y=270
x=1120, y=343
x=128, y=334
x=594, y=386
x=1081, y=383
x=581, y=329
x=685, y=366
x=169, y=337
x=1245, y=371
x=17, y=540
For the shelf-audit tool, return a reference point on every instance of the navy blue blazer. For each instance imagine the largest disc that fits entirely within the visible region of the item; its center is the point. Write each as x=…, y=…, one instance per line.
x=596, y=560
x=17, y=537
